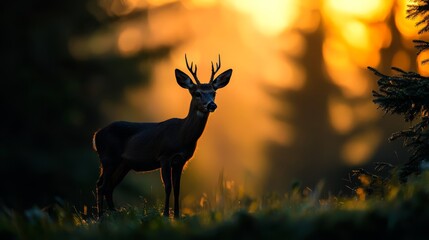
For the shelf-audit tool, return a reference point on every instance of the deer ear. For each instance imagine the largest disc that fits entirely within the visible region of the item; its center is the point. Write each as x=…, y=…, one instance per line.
x=222, y=80
x=183, y=79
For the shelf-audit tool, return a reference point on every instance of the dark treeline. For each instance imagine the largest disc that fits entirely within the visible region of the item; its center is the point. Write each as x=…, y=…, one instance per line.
x=51, y=102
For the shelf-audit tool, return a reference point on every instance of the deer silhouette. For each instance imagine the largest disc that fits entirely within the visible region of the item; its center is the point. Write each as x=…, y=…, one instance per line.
x=123, y=146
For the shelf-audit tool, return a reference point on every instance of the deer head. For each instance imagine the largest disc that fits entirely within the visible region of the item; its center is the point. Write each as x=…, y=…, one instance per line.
x=203, y=94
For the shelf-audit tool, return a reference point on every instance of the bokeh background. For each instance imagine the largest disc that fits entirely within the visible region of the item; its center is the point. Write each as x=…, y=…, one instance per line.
x=298, y=108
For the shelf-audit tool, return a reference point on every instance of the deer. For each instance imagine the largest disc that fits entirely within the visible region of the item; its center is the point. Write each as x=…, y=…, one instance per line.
x=146, y=146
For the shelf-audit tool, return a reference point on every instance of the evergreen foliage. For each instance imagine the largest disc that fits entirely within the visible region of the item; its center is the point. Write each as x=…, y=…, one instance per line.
x=420, y=8
x=407, y=94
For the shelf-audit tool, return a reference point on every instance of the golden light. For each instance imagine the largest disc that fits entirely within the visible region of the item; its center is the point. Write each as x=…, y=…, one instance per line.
x=156, y=3
x=343, y=72
x=130, y=41
x=120, y=7
x=361, y=194
x=341, y=116
x=405, y=26
x=344, y=117
x=125, y=7
x=423, y=67
x=365, y=112
x=294, y=45
x=355, y=30
x=200, y=3
x=358, y=149
x=402, y=60
x=357, y=34
x=270, y=17
x=381, y=35
x=285, y=75
x=372, y=10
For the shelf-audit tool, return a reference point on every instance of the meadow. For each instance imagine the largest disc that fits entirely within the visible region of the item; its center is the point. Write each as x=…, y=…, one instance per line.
x=388, y=210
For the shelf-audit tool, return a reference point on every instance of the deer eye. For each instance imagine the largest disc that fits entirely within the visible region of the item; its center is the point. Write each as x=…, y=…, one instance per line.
x=197, y=94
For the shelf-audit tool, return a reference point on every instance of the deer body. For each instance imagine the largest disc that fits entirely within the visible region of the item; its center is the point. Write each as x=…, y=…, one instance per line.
x=168, y=145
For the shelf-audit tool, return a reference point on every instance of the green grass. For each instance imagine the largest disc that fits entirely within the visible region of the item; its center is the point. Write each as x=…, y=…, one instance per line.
x=402, y=213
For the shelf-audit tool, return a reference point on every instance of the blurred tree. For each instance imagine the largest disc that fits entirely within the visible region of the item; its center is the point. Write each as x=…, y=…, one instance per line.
x=51, y=101
x=407, y=94
x=308, y=158
x=315, y=153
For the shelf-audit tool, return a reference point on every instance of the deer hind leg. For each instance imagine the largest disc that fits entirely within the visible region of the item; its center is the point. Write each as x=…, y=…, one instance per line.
x=117, y=176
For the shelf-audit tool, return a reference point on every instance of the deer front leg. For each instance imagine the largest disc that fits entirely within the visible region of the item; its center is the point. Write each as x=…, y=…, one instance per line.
x=177, y=173
x=166, y=179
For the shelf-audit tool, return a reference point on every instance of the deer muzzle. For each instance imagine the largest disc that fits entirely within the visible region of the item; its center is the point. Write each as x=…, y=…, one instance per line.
x=211, y=106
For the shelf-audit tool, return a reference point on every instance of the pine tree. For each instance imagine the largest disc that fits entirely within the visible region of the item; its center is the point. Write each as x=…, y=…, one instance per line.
x=407, y=94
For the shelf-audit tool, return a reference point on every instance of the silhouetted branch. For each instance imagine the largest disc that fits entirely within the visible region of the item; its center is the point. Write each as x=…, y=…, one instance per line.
x=380, y=166
x=420, y=45
x=407, y=94
x=419, y=8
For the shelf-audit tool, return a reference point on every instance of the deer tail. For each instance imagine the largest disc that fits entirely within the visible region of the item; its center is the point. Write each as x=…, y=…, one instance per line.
x=94, y=146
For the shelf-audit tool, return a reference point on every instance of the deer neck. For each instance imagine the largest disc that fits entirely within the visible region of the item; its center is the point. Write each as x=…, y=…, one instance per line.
x=194, y=124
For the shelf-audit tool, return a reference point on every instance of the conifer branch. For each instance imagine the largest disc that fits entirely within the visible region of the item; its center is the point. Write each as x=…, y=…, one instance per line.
x=407, y=94
x=419, y=8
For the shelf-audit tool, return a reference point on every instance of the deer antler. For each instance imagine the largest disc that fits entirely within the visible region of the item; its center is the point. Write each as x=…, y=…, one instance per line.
x=215, y=71
x=190, y=68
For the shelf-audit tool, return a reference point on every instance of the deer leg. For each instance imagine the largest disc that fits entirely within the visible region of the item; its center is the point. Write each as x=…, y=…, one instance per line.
x=104, y=188
x=117, y=177
x=100, y=195
x=166, y=179
x=177, y=173
x=109, y=199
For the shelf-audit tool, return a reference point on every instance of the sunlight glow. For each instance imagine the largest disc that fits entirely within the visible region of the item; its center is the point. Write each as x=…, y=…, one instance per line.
x=423, y=67
x=357, y=35
x=120, y=7
x=363, y=9
x=200, y=3
x=405, y=26
x=358, y=149
x=343, y=72
x=356, y=32
x=401, y=60
x=130, y=40
x=365, y=112
x=341, y=116
x=156, y=3
x=344, y=116
x=125, y=7
x=271, y=17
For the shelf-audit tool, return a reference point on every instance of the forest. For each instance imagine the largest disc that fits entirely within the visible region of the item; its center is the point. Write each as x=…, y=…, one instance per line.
x=321, y=131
